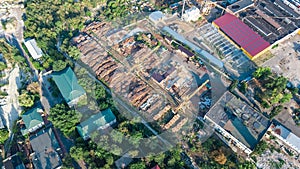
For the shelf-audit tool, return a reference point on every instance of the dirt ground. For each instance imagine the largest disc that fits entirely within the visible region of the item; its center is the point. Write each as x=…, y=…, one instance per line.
x=286, y=60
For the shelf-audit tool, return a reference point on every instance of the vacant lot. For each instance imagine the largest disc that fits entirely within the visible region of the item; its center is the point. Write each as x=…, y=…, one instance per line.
x=286, y=60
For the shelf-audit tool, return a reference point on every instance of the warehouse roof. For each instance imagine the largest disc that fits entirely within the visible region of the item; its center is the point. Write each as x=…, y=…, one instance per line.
x=241, y=34
x=240, y=5
x=201, y=52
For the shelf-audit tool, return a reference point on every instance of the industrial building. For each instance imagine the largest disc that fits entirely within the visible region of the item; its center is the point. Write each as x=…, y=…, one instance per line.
x=156, y=16
x=237, y=124
x=202, y=53
x=243, y=36
x=240, y=5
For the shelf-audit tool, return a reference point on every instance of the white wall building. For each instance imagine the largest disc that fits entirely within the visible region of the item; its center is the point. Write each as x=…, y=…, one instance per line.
x=286, y=136
x=191, y=14
x=33, y=49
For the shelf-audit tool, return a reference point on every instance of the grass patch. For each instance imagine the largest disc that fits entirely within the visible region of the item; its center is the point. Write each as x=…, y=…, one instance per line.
x=263, y=58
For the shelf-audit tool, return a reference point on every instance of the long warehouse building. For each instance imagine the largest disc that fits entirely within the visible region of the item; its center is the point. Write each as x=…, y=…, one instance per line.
x=252, y=44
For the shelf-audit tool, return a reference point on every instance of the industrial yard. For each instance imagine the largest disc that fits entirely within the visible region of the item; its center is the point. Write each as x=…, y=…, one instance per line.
x=159, y=81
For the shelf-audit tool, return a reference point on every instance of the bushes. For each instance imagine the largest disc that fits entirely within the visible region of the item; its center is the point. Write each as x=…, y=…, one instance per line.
x=275, y=111
x=25, y=99
x=260, y=147
x=4, y=134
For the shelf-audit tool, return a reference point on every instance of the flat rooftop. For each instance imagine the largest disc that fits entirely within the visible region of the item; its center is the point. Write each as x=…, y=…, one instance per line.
x=239, y=119
x=45, y=146
x=240, y=5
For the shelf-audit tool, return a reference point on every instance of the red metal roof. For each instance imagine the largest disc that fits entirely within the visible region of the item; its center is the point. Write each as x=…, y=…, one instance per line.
x=156, y=167
x=241, y=34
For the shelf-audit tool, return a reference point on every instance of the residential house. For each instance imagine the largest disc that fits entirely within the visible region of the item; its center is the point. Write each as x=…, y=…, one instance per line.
x=99, y=121
x=32, y=120
x=33, y=49
x=185, y=51
x=156, y=167
x=68, y=86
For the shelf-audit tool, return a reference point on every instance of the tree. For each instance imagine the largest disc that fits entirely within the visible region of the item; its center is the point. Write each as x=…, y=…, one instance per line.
x=286, y=98
x=59, y=65
x=233, y=85
x=247, y=165
x=77, y=153
x=139, y=165
x=4, y=134
x=74, y=52
x=25, y=99
x=244, y=87
x=2, y=66
x=275, y=111
x=262, y=72
x=100, y=92
x=67, y=162
x=261, y=147
x=265, y=104
x=219, y=157
x=33, y=87
x=64, y=118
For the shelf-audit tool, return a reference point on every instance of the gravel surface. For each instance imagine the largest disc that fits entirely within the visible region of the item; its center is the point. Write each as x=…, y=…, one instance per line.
x=11, y=110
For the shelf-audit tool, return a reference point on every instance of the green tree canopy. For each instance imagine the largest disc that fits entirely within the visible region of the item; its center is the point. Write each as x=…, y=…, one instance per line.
x=59, y=65
x=4, y=134
x=64, y=118
x=33, y=87
x=25, y=99
x=2, y=66
x=262, y=72
x=138, y=165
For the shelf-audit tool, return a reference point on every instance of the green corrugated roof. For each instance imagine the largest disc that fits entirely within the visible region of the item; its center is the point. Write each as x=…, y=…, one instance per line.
x=67, y=84
x=90, y=125
x=32, y=118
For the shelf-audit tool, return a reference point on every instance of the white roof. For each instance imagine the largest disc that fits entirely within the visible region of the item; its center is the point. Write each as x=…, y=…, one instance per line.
x=1, y=123
x=195, y=48
x=33, y=49
x=294, y=140
x=156, y=16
